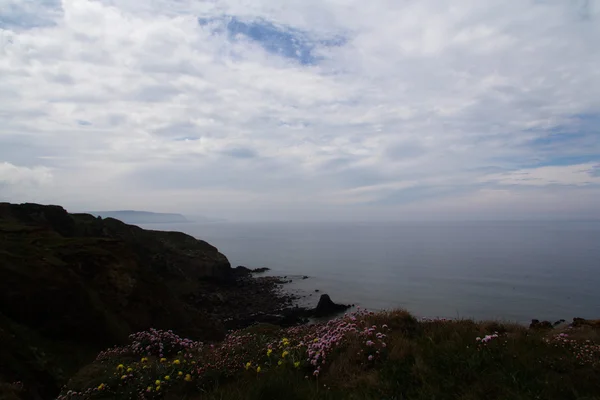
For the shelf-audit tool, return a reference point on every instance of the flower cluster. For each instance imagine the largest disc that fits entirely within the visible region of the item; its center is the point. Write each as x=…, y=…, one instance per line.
x=155, y=342
x=585, y=351
x=487, y=338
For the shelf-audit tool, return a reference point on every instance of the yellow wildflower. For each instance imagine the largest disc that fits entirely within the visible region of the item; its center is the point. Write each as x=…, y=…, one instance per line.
x=163, y=360
x=188, y=378
x=123, y=376
x=248, y=365
x=279, y=362
x=269, y=352
x=258, y=369
x=179, y=373
x=157, y=382
x=284, y=354
x=149, y=389
x=297, y=364
x=176, y=362
x=167, y=377
x=102, y=385
x=144, y=359
x=120, y=367
x=129, y=370
x=316, y=340
x=157, y=388
x=193, y=362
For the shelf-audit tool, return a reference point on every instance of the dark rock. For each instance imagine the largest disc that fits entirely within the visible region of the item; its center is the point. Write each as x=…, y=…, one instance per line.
x=241, y=270
x=536, y=324
x=316, y=290
x=259, y=270
x=560, y=321
x=326, y=307
x=594, y=323
x=305, y=277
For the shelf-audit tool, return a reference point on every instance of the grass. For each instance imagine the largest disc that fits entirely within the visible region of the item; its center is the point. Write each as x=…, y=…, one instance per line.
x=388, y=355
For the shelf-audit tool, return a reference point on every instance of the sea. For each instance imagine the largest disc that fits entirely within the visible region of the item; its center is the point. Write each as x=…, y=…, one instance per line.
x=511, y=271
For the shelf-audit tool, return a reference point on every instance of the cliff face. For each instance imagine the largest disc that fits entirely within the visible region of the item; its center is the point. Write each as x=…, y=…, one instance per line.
x=90, y=282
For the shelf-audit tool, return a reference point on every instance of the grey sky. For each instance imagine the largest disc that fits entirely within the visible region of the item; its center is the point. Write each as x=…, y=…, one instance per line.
x=304, y=109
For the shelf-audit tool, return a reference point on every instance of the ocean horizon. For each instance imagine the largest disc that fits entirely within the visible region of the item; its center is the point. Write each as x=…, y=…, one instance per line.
x=502, y=270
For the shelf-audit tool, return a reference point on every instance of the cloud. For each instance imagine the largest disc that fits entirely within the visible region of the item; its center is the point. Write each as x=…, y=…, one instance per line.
x=578, y=175
x=308, y=109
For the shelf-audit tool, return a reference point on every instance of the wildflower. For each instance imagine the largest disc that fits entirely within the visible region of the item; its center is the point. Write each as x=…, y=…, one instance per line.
x=316, y=340
x=102, y=385
x=129, y=370
x=179, y=373
x=248, y=365
x=188, y=378
x=157, y=382
x=383, y=344
x=284, y=354
x=176, y=362
x=120, y=367
x=149, y=389
x=370, y=358
x=269, y=352
x=157, y=388
x=162, y=360
x=144, y=359
x=167, y=377
x=258, y=369
x=297, y=364
x=369, y=343
x=123, y=376
x=316, y=373
x=279, y=362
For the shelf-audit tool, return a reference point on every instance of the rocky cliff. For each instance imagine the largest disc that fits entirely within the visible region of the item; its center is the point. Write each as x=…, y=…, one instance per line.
x=76, y=282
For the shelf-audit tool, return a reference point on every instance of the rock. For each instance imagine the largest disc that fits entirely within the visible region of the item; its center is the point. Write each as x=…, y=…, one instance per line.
x=241, y=270
x=305, y=277
x=536, y=324
x=560, y=321
x=316, y=290
x=594, y=323
x=326, y=307
x=259, y=270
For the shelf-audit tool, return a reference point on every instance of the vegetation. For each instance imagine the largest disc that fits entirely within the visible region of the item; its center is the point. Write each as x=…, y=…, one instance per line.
x=388, y=355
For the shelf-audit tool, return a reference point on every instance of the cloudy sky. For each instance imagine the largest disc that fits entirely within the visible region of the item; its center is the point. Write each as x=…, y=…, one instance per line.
x=303, y=109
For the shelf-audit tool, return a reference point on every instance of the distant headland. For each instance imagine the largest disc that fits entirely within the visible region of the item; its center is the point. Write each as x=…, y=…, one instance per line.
x=140, y=217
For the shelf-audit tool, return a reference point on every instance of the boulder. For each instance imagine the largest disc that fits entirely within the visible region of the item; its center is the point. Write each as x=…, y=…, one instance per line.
x=326, y=307
x=536, y=324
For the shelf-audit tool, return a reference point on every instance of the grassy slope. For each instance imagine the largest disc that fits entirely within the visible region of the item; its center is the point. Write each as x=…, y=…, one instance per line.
x=410, y=359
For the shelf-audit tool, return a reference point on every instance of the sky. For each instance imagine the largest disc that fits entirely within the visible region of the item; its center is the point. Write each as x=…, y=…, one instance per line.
x=303, y=109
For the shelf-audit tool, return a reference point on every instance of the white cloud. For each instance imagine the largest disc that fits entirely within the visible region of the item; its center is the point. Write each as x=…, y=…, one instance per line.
x=131, y=103
x=579, y=175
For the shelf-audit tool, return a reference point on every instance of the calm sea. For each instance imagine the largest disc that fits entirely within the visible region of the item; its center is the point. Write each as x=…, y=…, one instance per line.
x=511, y=271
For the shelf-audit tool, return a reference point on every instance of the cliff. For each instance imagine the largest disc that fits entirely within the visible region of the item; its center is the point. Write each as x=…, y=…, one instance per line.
x=71, y=284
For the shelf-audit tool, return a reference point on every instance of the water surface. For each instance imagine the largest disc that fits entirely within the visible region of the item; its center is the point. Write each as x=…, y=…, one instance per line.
x=512, y=271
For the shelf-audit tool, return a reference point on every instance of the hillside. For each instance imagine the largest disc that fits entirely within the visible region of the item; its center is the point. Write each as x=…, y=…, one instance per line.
x=73, y=284
x=363, y=355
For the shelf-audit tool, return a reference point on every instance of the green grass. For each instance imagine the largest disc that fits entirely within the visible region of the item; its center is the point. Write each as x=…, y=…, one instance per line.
x=414, y=360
